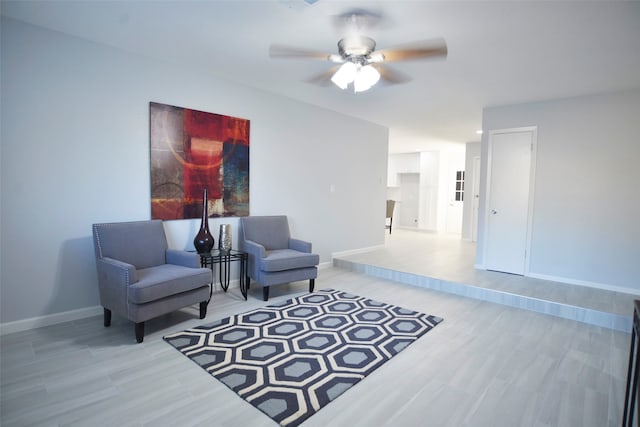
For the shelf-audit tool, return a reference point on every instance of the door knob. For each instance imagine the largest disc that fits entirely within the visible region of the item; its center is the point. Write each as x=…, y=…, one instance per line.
x=493, y=211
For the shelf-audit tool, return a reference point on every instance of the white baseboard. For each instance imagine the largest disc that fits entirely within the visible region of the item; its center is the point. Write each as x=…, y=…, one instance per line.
x=82, y=313
x=49, y=319
x=356, y=251
x=68, y=316
x=577, y=282
x=595, y=285
x=324, y=265
x=419, y=230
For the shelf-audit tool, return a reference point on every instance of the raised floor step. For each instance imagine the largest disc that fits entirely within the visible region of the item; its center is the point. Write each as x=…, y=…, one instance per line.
x=565, y=310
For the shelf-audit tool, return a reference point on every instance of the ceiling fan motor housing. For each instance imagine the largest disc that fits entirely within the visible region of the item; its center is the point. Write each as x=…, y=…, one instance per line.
x=356, y=47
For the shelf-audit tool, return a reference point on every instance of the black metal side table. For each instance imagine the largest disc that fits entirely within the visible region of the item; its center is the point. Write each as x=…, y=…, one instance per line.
x=224, y=260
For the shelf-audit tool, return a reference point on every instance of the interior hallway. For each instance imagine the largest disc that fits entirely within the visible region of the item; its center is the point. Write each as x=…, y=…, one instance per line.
x=445, y=263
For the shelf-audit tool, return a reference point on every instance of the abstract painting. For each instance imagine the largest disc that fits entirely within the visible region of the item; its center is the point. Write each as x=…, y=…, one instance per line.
x=192, y=150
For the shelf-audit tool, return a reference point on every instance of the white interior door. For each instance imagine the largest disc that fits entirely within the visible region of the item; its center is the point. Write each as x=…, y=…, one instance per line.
x=508, y=200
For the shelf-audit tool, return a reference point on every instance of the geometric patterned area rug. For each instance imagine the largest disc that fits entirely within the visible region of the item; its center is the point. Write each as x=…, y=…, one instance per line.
x=291, y=359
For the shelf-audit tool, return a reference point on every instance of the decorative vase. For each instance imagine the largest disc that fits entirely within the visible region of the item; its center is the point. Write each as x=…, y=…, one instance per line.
x=224, y=239
x=204, y=242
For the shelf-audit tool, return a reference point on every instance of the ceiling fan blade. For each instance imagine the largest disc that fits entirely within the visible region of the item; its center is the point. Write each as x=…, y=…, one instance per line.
x=281, y=51
x=391, y=76
x=324, y=78
x=427, y=49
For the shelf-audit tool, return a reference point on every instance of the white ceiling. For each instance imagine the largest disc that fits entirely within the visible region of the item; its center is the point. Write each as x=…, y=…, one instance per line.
x=500, y=52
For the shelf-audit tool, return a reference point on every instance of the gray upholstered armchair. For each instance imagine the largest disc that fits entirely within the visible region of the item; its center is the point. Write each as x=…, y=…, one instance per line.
x=139, y=277
x=274, y=256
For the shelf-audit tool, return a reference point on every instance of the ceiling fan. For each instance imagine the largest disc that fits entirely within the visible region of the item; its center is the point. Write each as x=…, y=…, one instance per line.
x=357, y=61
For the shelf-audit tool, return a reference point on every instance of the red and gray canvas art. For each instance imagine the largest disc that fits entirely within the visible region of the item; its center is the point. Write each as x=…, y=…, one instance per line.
x=192, y=150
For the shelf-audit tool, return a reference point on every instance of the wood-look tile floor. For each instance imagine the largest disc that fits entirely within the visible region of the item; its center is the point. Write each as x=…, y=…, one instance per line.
x=485, y=365
x=446, y=256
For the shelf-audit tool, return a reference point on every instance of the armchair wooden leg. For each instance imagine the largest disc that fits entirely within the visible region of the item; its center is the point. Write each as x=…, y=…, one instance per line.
x=265, y=293
x=203, y=309
x=107, y=317
x=139, y=331
x=312, y=284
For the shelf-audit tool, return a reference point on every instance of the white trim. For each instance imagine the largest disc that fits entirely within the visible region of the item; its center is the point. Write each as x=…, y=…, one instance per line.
x=595, y=285
x=532, y=192
x=82, y=313
x=49, y=319
x=324, y=265
x=356, y=251
x=532, y=176
x=68, y=316
x=569, y=281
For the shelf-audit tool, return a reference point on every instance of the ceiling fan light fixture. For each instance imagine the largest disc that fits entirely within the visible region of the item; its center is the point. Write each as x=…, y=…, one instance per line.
x=345, y=75
x=362, y=77
x=365, y=79
x=357, y=61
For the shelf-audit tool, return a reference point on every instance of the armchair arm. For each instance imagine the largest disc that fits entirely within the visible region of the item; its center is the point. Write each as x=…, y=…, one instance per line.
x=255, y=249
x=184, y=258
x=299, y=245
x=114, y=277
x=116, y=271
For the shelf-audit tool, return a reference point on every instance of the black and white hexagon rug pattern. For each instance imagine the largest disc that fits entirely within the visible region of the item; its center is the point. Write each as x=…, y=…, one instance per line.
x=291, y=359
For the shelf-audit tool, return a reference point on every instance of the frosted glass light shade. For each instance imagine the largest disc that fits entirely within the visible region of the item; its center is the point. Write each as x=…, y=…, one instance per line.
x=367, y=76
x=362, y=77
x=345, y=75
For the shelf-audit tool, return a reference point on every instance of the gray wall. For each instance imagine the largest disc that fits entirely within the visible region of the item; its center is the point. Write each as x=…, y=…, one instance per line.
x=75, y=150
x=586, y=208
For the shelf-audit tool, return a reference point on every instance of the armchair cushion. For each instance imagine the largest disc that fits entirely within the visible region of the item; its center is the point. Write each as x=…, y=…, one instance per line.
x=165, y=280
x=287, y=259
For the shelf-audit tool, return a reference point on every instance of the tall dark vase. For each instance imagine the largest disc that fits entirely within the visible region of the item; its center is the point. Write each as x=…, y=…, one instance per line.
x=204, y=241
